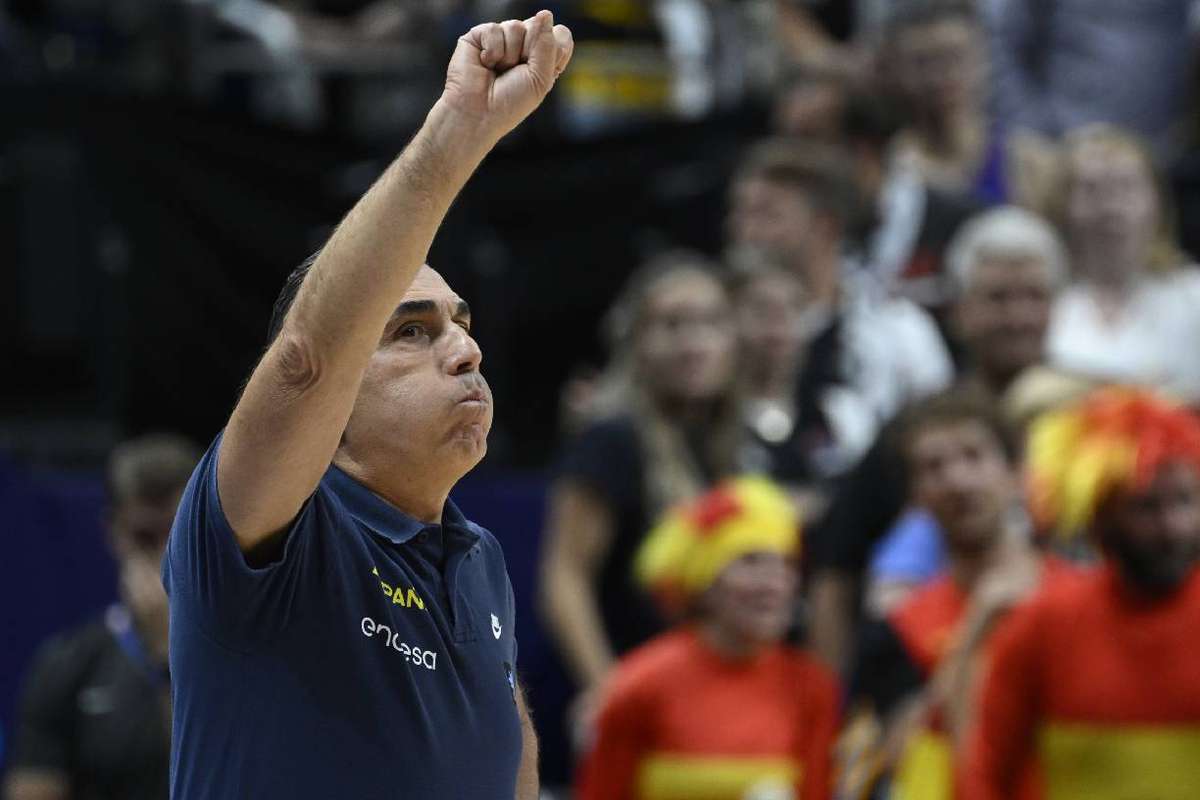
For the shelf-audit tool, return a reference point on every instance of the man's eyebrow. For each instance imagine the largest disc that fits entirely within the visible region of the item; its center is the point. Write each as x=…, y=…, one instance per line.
x=415, y=307
x=462, y=310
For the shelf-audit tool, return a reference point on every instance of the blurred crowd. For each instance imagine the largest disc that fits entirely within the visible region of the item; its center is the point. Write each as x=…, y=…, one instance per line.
x=898, y=495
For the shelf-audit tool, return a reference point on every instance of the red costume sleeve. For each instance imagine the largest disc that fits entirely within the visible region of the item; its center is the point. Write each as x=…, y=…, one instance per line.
x=609, y=771
x=822, y=727
x=1000, y=743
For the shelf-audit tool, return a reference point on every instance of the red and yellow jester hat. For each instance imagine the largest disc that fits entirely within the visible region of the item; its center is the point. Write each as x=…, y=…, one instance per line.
x=1115, y=439
x=689, y=548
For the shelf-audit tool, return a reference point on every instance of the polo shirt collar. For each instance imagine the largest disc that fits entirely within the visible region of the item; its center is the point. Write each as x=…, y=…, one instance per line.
x=384, y=518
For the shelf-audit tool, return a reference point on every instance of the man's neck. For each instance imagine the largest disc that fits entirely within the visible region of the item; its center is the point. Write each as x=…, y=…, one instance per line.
x=966, y=566
x=422, y=498
x=690, y=413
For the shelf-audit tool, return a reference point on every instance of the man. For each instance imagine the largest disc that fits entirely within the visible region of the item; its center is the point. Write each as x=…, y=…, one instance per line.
x=1095, y=684
x=903, y=237
x=1005, y=267
x=914, y=667
x=338, y=629
x=792, y=203
x=95, y=716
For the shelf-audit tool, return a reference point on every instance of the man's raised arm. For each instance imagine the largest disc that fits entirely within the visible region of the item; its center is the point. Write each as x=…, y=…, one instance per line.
x=285, y=429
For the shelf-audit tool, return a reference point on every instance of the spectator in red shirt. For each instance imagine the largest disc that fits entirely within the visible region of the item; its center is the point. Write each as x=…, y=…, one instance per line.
x=719, y=707
x=1093, y=688
x=917, y=667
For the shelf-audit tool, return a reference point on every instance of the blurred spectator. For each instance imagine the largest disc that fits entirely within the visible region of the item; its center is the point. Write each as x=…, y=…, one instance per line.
x=1095, y=685
x=799, y=437
x=935, y=58
x=809, y=104
x=792, y=203
x=822, y=33
x=1130, y=314
x=1060, y=64
x=1006, y=266
x=907, y=223
x=94, y=720
x=915, y=668
x=669, y=424
x=720, y=707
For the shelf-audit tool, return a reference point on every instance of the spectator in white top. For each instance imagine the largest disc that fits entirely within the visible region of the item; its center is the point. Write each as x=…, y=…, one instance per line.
x=1130, y=314
x=793, y=203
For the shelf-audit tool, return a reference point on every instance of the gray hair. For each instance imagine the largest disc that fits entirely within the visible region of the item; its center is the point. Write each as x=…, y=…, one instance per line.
x=1005, y=232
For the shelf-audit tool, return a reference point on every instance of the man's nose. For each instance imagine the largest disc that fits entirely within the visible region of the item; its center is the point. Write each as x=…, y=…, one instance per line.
x=463, y=354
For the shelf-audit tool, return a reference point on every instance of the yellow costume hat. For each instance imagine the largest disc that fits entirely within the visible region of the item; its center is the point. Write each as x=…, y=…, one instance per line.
x=1115, y=439
x=694, y=542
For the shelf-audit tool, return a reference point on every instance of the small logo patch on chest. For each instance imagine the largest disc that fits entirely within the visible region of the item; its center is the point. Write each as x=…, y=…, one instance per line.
x=496, y=626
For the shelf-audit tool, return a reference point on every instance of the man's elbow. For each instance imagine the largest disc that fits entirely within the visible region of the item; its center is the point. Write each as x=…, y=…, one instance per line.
x=296, y=362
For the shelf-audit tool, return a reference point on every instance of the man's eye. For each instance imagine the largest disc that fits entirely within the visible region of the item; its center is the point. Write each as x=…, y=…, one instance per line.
x=410, y=331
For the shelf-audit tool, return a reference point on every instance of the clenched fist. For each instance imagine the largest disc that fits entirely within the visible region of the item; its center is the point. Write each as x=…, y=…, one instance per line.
x=501, y=71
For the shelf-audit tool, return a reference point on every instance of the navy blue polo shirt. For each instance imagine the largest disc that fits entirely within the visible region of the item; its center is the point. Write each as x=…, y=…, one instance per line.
x=374, y=659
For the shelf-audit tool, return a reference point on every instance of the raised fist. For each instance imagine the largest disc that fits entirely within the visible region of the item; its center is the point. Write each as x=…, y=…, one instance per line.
x=501, y=71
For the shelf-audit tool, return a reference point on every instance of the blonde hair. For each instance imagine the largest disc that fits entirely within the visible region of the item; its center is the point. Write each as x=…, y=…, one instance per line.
x=672, y=474
x=1165, y=253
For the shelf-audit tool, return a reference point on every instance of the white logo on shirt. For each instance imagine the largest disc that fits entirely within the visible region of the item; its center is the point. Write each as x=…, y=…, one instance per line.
x=495, y=626
x=417, y=656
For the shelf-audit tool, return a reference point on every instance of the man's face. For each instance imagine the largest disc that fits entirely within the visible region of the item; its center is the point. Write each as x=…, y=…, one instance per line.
x=1154, y=534
x=1005, y=312
x=686, y=343
x=961, y=475
x=941, y=65
x=771, y=218
x=752, y=598
x=423, y=402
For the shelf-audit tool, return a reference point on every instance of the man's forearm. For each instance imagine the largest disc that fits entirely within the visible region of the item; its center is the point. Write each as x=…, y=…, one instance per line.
x=376, y=251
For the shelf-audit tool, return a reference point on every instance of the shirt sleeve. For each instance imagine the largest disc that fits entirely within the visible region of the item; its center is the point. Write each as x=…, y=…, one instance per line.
x=609, y=770
x=208, y=579
x=1000, y=742
x=884, y=673
x=44, y=731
